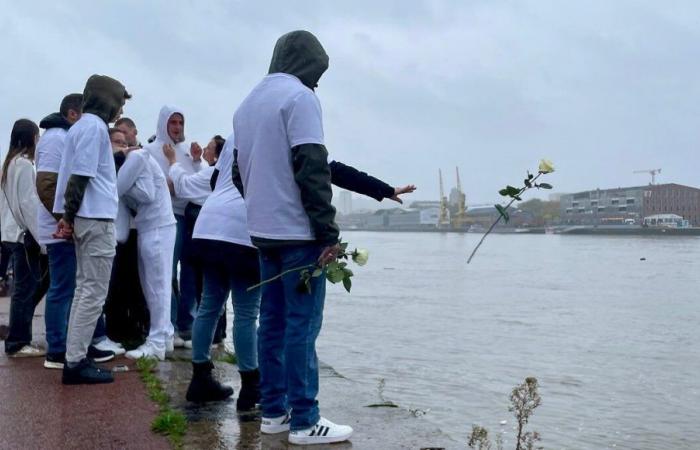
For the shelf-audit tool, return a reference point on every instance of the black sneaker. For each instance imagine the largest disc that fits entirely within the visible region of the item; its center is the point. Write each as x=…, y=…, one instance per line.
x=98, y=355
x=86, y=372
x=55, y=360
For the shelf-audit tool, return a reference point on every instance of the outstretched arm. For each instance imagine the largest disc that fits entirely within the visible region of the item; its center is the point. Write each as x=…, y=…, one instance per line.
x=354, y=180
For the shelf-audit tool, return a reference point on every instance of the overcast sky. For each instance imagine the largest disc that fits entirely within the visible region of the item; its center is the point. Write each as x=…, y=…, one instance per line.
x=599, y=87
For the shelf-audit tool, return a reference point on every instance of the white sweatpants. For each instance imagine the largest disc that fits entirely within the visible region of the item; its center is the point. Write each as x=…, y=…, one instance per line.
x=155, y=248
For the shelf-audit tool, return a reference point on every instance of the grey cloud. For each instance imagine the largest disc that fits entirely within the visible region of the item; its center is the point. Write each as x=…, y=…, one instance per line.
x=601, y=88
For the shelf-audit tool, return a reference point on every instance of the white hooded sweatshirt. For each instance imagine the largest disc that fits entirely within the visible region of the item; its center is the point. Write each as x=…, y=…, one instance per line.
x=142, y=188
x=182, y=153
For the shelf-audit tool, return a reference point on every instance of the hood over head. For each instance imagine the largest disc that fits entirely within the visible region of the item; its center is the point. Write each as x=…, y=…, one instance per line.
x=104, y=96
x=299, y=53
x=162, y=129
x=54, y=120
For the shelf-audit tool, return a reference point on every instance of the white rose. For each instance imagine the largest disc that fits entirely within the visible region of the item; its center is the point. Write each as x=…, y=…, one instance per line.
x=546, y=166
x=360, y=256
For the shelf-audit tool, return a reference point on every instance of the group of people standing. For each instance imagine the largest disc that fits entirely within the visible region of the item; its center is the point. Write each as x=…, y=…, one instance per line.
x=242, y=209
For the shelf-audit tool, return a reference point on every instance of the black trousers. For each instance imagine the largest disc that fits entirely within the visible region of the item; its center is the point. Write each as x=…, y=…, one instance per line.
x=31, y=281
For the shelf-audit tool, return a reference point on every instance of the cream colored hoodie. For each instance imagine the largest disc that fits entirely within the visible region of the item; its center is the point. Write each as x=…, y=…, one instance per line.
x=19, y=201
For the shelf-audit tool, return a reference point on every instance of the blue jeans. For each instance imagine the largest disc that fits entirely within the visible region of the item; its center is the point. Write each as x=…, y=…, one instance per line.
x=183, y=300
x=228, y=268
x=62, y=269
x=290, y=321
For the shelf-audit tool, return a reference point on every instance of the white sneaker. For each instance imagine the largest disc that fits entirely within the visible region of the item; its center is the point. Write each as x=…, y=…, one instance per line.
x=273, y=425
x=109, y=345
x=324, y=432
x=188, y=343
x=27, y=351
x=178, y=342
x=146, y=350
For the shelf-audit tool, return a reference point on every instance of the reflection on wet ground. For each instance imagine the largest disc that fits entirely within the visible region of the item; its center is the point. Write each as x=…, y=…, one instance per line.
x=218, y=425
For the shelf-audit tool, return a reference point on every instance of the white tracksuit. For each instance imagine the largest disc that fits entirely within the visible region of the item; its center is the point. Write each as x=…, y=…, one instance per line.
x=143, y=188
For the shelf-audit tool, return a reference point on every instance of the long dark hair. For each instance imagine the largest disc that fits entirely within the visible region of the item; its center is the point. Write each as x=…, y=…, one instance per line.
x=219, y=144
x=22, y=142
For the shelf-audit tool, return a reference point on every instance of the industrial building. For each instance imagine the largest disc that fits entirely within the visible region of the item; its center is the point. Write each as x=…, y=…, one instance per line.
x=630, y=205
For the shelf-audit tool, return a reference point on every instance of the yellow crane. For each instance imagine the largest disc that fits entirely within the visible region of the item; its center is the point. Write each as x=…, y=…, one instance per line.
x=444, y=219
x=459, y=220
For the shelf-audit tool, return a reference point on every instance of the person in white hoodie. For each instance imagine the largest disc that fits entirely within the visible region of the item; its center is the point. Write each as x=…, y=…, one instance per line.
x=18, y=207
x=144, y=191
x=171, y=131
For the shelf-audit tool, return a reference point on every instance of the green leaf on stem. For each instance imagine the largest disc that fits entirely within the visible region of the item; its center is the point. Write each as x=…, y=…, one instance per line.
x=544, y=186
x=347, y=284
x=317, y=273
x=502, y=211
x=509, y=191
x=335, y=276
x=512, y=191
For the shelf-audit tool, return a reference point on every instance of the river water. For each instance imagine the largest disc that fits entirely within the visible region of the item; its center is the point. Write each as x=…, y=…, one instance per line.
x=612, y=339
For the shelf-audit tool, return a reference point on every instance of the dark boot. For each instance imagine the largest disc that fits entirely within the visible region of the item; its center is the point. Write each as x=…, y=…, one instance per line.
x=204, y=387
x=250, y=390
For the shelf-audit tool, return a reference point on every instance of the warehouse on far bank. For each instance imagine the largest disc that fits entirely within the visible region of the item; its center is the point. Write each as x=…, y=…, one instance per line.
x=630, y=205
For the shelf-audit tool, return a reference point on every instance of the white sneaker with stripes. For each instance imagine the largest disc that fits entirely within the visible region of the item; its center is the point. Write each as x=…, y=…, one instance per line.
x=324, y=432
x=274, y=425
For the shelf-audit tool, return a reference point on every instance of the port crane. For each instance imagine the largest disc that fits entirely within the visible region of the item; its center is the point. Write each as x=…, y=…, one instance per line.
x=444, y=219
x=460, y=218
x=652, y=172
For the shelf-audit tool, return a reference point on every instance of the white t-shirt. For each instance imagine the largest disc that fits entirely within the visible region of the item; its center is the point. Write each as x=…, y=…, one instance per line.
x=88, y=152
x=143, y=188
x=48, y=159
x=223, y=216
x=279, y=114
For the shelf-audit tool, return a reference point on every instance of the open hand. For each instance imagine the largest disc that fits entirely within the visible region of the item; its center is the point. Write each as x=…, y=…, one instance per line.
x=402, y=190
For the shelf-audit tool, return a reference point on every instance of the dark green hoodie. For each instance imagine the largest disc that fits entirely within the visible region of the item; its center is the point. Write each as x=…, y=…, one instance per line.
x=299, y=53
x=104, y=97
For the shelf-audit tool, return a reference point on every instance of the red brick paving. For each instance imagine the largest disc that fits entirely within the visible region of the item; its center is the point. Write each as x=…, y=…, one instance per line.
x=38, y=412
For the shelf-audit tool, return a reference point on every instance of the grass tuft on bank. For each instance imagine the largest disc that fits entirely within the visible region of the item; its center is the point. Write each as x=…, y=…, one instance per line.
x=168, y=422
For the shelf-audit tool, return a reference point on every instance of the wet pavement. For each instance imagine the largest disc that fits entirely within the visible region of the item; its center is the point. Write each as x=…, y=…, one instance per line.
x=37, y=411
x=218, y=426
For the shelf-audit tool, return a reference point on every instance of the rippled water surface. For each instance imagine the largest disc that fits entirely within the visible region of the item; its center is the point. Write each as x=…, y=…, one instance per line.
x=613, y=340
